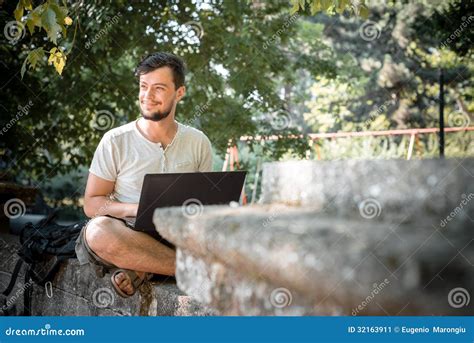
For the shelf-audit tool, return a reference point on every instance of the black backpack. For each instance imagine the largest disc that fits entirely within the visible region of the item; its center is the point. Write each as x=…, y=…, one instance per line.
x=43, y=247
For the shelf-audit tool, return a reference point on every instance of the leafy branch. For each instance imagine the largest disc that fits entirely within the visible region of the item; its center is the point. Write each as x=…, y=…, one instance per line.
x=52, y=17
x=356, y=7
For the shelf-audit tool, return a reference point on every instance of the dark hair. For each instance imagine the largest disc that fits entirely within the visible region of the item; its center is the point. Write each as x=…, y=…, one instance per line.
x=158, y=60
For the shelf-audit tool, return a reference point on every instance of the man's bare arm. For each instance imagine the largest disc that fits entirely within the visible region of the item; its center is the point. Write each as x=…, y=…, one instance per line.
x=98, y=203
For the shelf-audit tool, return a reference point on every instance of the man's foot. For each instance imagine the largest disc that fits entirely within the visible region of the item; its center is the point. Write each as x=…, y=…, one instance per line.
x=126, y=282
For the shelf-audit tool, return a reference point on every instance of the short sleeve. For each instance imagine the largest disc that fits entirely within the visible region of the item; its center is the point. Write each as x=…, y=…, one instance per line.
x=104, y=162
x=205, y=163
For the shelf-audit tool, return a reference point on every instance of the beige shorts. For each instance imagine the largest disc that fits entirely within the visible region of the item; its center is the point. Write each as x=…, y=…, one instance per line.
x=86, y=255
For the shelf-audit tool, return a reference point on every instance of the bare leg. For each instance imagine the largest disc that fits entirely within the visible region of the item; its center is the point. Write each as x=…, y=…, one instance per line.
x=111, y=240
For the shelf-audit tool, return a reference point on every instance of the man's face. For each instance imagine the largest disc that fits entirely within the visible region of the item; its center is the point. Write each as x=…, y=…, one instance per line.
x=158, y=96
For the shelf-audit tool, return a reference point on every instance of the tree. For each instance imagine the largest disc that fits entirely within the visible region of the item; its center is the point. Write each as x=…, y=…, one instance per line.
x=391, y=72
x=234, y=51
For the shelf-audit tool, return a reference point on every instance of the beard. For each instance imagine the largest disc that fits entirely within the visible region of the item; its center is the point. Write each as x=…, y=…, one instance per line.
x=158, y=115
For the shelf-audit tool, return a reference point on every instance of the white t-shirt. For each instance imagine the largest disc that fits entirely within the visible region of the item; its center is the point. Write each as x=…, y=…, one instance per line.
x=124, y=156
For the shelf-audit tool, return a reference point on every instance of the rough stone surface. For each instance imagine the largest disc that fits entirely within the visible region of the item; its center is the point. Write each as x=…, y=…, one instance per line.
x=77, y=291
x=320, y=255
x=234, y=258
x=394, y=190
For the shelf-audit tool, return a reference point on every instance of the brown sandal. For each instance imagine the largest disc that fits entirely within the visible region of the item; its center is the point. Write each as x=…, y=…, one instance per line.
x=134, y=279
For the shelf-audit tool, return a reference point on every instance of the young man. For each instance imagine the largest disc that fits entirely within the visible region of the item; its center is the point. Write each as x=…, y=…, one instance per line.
x=154, y=143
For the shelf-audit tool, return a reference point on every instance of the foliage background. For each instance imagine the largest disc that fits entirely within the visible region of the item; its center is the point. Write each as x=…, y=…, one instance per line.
x=255, y=68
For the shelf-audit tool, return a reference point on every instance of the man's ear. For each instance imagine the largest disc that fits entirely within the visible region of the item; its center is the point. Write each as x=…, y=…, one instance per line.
x=180, y=92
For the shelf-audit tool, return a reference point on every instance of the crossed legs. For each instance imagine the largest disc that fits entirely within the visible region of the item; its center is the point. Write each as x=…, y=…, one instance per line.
x=117, y=244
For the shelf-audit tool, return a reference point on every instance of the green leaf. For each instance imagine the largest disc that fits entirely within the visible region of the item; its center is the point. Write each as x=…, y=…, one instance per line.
x=315, y=7
x=61, y=13
x=50, y=25
x=341, y=6
x=33, y=19
x=35, y=56
x=23, y=67
x=325, y=4
x=18, y=12
x=295, y=7
x=27, y=4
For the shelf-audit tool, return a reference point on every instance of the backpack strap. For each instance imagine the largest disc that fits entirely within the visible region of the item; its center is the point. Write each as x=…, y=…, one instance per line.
x=15, y=273
x=27, y=294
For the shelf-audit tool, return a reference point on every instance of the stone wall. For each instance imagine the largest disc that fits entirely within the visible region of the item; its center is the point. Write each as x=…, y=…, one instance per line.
x=334, y=238
x=328, y=238
x=77, y=291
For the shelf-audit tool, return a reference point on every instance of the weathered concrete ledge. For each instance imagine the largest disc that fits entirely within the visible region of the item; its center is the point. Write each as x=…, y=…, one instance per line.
x=392, y=190
x=76, y=291
x=402, y=253
x=233, y=259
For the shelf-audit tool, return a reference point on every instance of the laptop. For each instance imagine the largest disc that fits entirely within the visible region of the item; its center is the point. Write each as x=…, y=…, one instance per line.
x=185, y=189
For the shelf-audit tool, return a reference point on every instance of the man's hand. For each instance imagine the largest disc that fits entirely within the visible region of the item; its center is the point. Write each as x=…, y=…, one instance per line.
x=98, y=203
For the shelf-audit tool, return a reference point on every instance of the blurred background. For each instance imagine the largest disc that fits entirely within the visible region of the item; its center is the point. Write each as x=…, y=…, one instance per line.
x=267, y=81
